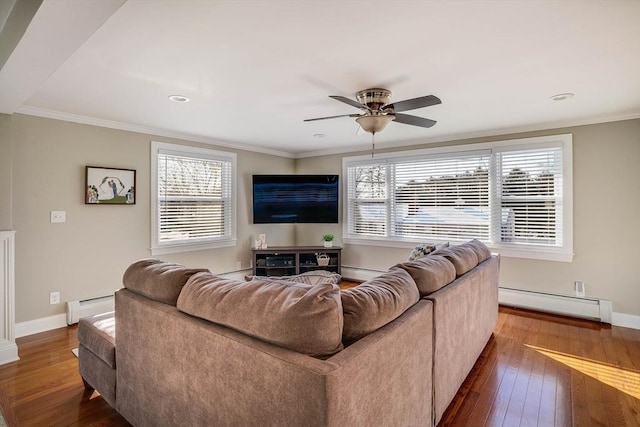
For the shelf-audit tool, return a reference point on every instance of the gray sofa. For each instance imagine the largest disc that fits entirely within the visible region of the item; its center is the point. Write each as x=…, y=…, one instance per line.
x=197, y=349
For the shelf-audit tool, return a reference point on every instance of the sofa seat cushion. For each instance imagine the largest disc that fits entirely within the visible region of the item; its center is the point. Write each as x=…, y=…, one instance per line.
x=430, y=273
x=309, y=277
x=303, y=318
x=158, y=280
x=463, y=258
x=374, y=303
x=98, y=335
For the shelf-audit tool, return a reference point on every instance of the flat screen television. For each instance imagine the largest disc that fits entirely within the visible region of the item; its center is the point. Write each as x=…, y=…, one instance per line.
x=295, y=199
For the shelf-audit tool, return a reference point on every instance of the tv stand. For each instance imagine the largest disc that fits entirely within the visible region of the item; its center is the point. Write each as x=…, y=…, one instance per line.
x=290, y=260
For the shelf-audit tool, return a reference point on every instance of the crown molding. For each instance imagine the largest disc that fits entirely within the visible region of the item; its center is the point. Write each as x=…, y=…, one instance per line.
x=552, y=126
x=76, y=118
x=112, y=124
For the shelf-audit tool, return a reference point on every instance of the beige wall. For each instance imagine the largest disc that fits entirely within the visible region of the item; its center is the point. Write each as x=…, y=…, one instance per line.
x=606, y=193
x=86, y=256
x=5, y=172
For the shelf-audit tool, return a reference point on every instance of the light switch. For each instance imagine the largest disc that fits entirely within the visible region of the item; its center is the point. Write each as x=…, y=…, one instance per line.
x=58, y=216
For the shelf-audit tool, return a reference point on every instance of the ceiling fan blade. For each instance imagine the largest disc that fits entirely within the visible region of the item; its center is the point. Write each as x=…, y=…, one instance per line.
x=331, y=117
x=412, y=104
x=414, y=120
x=348, y=101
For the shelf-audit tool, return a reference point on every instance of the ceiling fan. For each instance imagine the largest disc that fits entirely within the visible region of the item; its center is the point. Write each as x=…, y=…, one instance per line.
x=378, y=112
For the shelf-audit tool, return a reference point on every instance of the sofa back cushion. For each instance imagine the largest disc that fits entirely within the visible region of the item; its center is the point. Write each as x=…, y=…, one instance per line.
x=158, y=280
x=462, y=257
x=482, y=251
x=374, y=303
x=430, y=273
x=307, y=319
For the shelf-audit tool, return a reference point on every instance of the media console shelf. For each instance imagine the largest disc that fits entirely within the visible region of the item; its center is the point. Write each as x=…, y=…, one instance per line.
x=289, y=260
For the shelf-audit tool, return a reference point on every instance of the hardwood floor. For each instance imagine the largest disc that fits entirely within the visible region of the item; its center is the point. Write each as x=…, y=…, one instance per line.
x=545, y=370
x=537, y=369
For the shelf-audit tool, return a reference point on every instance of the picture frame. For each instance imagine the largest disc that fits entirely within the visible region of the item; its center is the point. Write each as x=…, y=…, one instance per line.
x=109, y=186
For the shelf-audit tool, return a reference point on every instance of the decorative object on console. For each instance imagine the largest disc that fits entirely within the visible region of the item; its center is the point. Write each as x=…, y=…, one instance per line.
x=328, y=240
x=323, y=260
x=261, y=242
x=113, y=186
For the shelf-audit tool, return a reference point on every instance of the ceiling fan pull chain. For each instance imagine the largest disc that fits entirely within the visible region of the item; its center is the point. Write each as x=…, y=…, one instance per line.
x=373, y=143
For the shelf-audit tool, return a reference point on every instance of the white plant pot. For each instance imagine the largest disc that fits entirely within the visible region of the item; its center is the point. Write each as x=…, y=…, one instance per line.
x=328, y=244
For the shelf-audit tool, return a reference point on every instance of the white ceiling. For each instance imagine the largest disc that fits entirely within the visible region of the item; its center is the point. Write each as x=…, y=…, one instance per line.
x=255, y=69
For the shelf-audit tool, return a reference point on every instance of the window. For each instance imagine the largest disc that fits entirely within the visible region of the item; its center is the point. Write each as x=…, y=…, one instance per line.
x=513, y=195
x=193, y=198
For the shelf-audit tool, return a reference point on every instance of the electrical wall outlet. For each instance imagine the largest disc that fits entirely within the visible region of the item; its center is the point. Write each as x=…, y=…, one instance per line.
x=238, y=265
x=54, y=298
x=579, y=287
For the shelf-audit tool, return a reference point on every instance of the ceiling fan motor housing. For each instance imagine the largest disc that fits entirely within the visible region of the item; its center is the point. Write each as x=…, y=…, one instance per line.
x=375, y=98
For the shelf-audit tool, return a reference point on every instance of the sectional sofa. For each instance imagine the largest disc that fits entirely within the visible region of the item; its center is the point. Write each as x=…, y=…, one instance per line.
x=198, y=349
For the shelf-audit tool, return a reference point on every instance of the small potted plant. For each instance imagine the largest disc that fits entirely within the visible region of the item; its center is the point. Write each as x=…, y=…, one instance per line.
x=328, y=240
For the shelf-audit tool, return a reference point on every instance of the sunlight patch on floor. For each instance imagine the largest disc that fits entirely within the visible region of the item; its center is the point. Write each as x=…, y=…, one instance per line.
x=627, y=381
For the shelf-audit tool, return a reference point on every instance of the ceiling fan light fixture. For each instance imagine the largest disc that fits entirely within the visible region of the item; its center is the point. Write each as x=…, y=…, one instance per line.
x=374, y=123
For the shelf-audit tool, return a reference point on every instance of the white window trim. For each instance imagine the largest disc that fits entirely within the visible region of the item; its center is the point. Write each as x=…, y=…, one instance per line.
x=560, y=254
x=170, y=248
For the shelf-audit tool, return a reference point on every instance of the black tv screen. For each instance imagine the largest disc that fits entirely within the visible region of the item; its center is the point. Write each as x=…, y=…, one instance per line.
x=295, y=199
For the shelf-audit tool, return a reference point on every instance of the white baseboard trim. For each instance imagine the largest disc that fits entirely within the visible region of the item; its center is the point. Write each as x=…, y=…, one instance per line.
x=43, y=324
x=8, y=352
x=626, y=320
x=589, y=308
x=353, y=273
x=238, y=274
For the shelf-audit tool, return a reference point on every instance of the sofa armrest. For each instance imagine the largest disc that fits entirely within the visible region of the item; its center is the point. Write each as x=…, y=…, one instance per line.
x=465, y=313
x=385, y=378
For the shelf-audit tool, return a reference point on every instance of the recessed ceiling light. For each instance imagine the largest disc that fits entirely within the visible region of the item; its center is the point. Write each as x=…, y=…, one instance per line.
x=178, y=98
x=561, y=96
x=319, y=135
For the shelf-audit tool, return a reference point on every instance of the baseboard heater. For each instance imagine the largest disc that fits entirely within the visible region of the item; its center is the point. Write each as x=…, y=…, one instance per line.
x=587, y=308
x=88, y=307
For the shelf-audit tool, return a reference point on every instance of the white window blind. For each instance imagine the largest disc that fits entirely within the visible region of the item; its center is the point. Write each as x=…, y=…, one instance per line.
x=194, y=201
x=530, y=190
x=443, y=198
x=367, y=200
x=512, y=195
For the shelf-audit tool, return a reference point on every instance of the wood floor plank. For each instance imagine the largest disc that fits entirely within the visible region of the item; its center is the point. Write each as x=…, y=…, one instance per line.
x=537, y=369
x=533, y=395
x=515, y=407
x=501, y=400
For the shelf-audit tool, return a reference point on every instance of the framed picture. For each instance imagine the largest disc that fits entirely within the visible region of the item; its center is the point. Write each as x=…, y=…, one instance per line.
x=110, y=186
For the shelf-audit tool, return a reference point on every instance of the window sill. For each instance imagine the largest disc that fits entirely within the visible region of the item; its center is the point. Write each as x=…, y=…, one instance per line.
x=543, y=254
x=191, y=247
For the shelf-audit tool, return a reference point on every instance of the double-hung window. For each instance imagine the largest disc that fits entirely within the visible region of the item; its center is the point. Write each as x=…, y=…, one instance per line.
x=193, y=198
x=513, y=195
